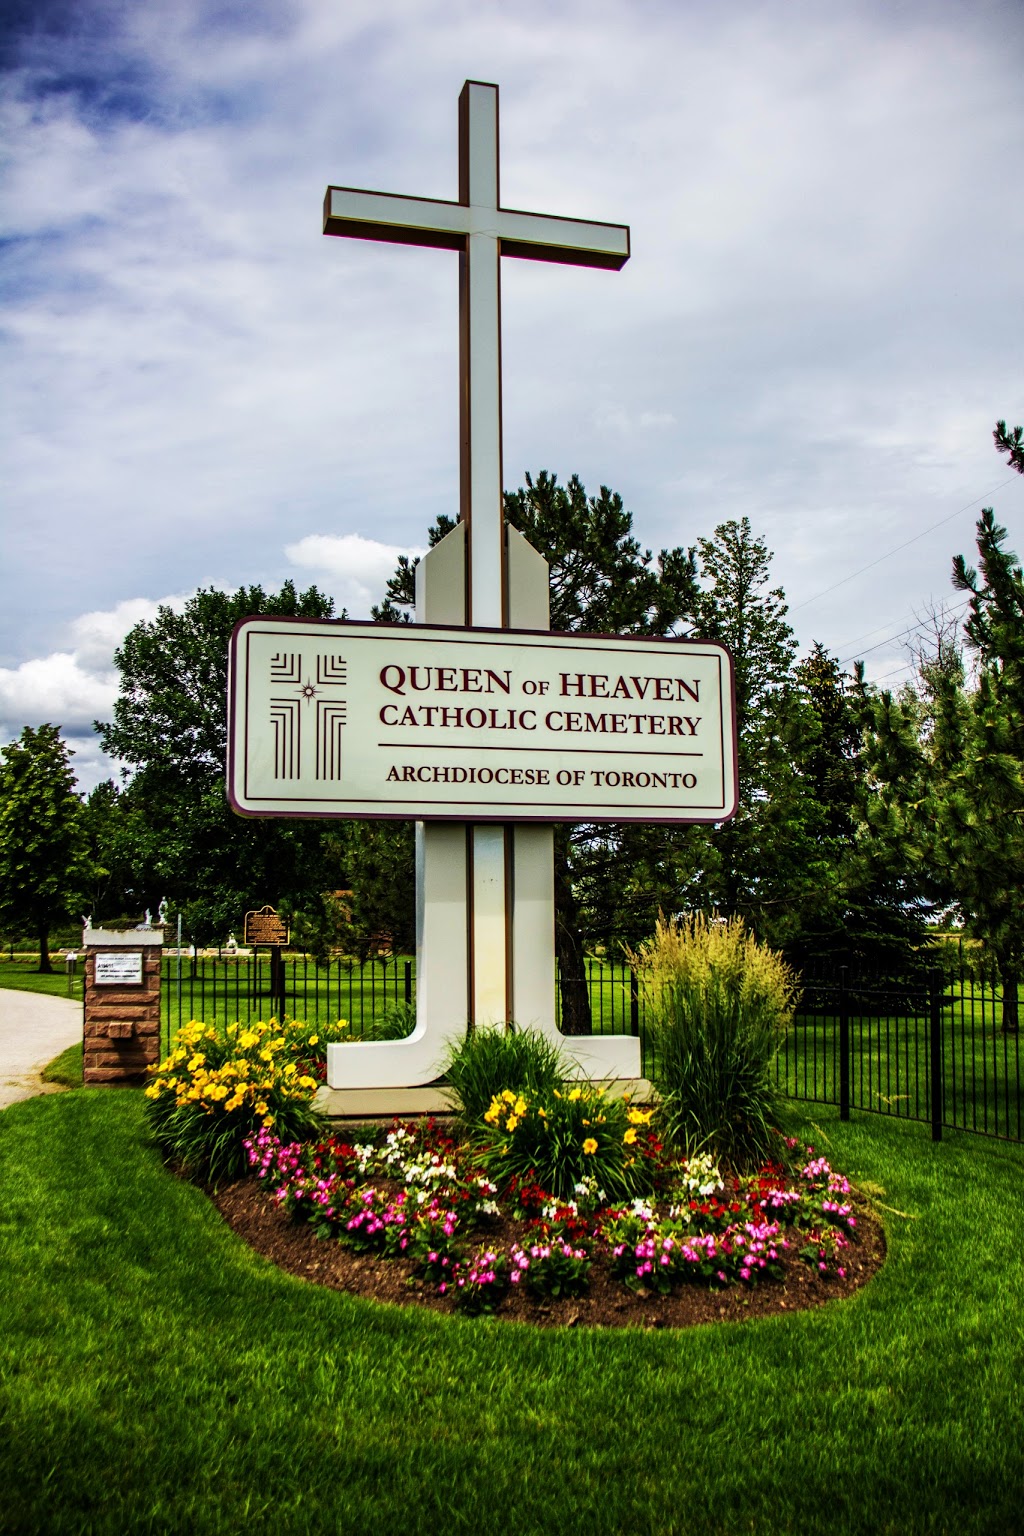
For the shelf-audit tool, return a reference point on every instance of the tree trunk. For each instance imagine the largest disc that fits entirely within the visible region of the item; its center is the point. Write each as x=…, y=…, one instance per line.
x=572, y=969
x=45, y=968
x=1010, y=1016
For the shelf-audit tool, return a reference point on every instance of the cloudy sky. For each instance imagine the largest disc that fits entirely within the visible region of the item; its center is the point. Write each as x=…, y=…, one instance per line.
x=818, y=327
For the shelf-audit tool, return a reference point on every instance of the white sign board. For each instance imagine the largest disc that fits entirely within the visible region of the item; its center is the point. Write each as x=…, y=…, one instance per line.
x=365, y=720
x=122, y=968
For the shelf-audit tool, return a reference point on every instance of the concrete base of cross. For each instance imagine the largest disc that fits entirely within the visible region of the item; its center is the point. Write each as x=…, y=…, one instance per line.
x=387, y=1103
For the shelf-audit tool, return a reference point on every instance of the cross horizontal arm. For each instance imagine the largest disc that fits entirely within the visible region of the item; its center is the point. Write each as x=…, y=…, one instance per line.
x=544, y=237
x=398, y=220
x=427, y=221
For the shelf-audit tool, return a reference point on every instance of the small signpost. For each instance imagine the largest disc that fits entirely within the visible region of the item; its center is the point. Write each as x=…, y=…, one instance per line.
x=266, y=929
x=490, y=735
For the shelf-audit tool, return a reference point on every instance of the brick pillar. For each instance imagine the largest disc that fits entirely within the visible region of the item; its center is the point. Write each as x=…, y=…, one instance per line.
x=122, y=1004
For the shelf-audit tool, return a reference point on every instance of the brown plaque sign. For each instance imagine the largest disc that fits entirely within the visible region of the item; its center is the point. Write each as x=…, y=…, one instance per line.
x=265, y=927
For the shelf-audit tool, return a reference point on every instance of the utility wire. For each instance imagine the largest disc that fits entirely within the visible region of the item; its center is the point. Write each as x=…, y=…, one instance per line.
x=903, y=634
x=905, y=545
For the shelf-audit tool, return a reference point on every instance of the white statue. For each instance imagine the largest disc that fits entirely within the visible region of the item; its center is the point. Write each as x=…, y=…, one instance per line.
x=86, y=921
x=232, y=944
x=161, y=913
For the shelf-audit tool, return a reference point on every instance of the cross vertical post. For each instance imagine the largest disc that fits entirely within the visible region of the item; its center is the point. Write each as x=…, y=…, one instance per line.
x=482, y=232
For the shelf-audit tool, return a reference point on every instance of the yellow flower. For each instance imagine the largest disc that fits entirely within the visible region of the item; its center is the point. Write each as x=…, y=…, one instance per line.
x=629, y=1137
x=577, y=1093
x=640, y=1116
x=153, y=1091
x=508, y=1096
x=543, y=1113
x=511, y=1123
x=307, y=1082
x=590, y=1145
x=314, y=1039
x=342, y=1024
x=520, y=1108
x=261, y=1107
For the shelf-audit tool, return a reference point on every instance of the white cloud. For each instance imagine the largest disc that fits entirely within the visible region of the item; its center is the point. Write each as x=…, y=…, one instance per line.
x=55, y=688
x=97, y=635
x=812, y=328
x=73, y=688
x=356, y=568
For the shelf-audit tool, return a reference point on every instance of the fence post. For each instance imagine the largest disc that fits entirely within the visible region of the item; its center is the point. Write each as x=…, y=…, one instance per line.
x=634, y=1002
x=408, y=981
x=844, y=1047
x=277, y=982
x=935, y=1049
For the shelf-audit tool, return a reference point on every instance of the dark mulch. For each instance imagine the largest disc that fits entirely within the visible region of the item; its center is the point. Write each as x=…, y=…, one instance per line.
x=293, y=1246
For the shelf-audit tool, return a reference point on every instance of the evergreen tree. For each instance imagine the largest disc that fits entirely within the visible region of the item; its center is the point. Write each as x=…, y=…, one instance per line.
x=947, y=766
x=44, y=860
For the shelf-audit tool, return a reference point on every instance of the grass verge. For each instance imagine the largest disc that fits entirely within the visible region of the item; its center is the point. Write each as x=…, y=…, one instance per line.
x=155, y=1375
x=66, y=1068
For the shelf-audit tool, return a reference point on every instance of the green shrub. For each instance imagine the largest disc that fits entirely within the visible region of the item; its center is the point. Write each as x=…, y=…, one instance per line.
x=218, y=1087
x=719, y=1005
x=490, y=1059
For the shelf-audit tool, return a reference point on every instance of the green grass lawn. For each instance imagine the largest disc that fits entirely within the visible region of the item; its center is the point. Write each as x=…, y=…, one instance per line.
x=23, y=976
x=155, y=1375
x=67, y=1068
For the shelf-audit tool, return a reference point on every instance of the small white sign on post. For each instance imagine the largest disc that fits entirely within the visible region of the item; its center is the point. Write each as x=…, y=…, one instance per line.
x=375, y=721
x=122, y=968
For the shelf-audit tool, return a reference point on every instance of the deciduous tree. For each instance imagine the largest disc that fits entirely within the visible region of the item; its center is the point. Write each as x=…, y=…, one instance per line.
x=44, y=860
x=170, y=732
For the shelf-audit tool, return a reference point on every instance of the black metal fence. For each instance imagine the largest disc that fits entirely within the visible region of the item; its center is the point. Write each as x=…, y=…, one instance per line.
x=931, y=1048
x=376, y=997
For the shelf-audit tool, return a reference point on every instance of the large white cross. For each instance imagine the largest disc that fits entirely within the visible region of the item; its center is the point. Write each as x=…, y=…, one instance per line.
x=481, y=231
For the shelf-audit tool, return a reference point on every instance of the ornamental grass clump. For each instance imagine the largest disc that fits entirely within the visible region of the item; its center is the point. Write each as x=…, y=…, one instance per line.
x=491, y=1059
x=719, y=1005
x=219, y=1087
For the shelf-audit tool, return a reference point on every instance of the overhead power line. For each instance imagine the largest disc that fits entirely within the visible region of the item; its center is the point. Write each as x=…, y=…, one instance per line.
x=905, y=545
x=904, y=634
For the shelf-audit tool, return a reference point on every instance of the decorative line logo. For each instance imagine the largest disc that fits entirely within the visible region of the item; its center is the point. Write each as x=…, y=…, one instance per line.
x=331, y=669
x=284, y=719
x=328, y=718
x=286, y=668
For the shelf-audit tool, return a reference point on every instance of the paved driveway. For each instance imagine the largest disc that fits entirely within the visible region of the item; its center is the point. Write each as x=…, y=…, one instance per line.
x=33, y=1030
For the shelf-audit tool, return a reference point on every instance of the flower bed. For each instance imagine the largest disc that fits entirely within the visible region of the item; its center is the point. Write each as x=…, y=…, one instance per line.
x=408, y=1212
